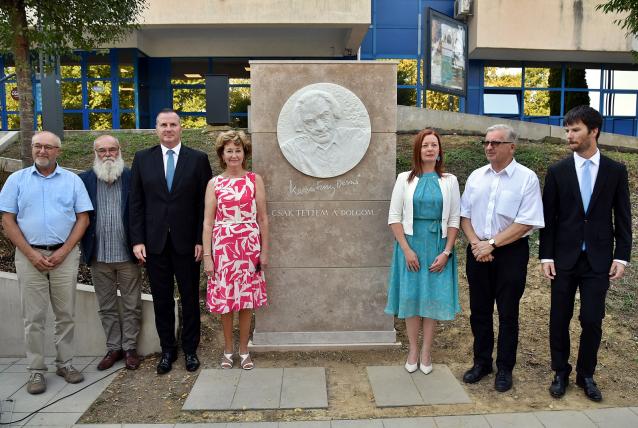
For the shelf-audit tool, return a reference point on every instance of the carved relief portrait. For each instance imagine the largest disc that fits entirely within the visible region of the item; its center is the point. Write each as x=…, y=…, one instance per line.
x=323, y=130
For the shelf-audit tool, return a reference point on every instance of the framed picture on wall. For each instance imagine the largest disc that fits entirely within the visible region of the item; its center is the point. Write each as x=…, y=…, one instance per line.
x=446, y=59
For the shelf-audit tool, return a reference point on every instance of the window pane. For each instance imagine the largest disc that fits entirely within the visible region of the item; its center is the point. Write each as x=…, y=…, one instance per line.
x=127, y=121
x=127, y=96
x=10, y=90
x=189, y=71
x=588, y=98
x=127, y=71
x=13, y=120
x=541, y=77
x=189, y=100
x=99, y=95
x=439, y=101
x=406, y=72
x=621, y=79
x=500, y=104
x=72, y=120
x=619, y=105
x=581, y=77
x=239, y=122
x=537, y=103
x=8, y=71
x=71, y=96
x=71, y=71
x=239, y=100
x=100, y=121
x=193, y=122
x=503, y=77
x=406, y=97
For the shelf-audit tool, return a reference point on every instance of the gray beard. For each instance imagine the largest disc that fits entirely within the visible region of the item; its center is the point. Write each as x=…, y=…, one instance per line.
x=108, y=171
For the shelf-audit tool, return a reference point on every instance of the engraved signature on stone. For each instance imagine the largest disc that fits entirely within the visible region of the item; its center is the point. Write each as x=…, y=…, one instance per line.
x=330, y=187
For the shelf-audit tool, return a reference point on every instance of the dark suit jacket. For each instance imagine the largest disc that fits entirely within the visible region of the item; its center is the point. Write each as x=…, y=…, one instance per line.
x=88, y=240
x=607, y=220
x=154, y=211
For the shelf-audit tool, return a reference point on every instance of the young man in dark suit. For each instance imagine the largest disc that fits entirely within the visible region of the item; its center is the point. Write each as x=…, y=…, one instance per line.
x=166, y=215
x=586, y=243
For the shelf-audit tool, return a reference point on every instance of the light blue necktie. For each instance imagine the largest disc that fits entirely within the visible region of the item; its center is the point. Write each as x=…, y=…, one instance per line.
x=170, y=169
x=585, y=188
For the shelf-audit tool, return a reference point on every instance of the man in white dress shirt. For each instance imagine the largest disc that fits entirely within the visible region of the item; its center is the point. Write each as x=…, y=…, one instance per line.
x=501, y=205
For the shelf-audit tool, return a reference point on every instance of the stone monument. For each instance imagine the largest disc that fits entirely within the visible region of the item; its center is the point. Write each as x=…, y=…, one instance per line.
x=324, y=140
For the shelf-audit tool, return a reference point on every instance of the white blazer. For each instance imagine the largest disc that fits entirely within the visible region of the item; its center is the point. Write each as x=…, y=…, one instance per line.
x=403, y=194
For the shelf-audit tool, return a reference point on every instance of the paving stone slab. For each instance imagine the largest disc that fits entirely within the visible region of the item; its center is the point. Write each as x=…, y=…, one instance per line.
x=467, y=421
x=81, y=401
x=258, y=389
x=513, y=420
x=361, y=423
x=25, y=402
x=305, y=424
x=10, y=383
x=14, y=418
x=206, y=425
x=147, y=426
x=620, y=417
x=97, y=426
x=53, y=419
x=440, y=386
x=253, y=424
x=8, y=360
x=564, y=419
x=634, y=409
x=214, y=389
x=409, y=423
x=393, y=386
x=3, y=367
x=304, y=388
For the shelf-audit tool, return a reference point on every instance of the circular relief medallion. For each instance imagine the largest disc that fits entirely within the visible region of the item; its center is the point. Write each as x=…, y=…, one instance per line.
x=323, y=130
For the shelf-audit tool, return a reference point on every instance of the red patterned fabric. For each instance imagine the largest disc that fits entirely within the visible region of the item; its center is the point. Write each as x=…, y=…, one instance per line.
x=237, y=283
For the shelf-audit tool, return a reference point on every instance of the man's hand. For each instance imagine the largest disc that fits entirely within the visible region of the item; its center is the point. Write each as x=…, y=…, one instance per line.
x=139, y=250
x=617, y=271
x=58, y=256
x=481, y=249
x=549, y=270
x=39, y=261
x=199, y=251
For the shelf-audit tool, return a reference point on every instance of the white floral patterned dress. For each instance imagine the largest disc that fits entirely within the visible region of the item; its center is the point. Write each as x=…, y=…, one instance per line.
x=238, y=282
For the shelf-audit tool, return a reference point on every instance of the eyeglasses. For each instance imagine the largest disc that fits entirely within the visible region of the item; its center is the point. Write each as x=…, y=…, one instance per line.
x=109, y=150
x=493, y=143
x=47, y=147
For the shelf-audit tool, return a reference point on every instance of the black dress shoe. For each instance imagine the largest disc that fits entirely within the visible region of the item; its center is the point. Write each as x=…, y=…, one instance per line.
x=166, y=362
x=559, y=385
x=503, y=380
x=589, y=386
x=192, y=362
x=476, y=373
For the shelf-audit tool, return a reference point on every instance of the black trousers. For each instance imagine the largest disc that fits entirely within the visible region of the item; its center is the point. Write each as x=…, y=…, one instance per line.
x=593, y=291
x=162, y=270
x=502, y=281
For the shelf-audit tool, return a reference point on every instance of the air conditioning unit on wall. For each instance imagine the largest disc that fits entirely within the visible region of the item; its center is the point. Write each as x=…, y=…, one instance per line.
x=462, y=9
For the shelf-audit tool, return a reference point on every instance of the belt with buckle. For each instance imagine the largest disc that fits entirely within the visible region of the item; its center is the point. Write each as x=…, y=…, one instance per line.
x=47, y=247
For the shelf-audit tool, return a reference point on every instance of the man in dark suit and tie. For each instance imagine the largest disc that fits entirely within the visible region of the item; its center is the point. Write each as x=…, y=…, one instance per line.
x=586, y=243
x=168, y=184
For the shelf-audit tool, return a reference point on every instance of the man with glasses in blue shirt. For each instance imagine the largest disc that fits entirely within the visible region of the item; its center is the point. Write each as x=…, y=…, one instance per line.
x=45, y=213
x=501, y=205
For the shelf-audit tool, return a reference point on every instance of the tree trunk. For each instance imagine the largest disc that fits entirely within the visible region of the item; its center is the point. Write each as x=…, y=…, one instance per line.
x=23, y=76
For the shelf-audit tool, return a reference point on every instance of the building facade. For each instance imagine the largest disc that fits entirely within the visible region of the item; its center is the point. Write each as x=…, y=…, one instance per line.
x=529, y=59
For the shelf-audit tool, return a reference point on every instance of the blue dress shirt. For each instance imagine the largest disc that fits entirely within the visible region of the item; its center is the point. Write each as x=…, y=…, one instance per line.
x=45, y=207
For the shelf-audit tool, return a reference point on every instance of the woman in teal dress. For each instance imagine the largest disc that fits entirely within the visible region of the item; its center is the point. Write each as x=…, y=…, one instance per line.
x=424, y=218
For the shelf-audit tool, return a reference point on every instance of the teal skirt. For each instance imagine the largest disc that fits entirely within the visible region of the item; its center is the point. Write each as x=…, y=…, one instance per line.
x=424, y=294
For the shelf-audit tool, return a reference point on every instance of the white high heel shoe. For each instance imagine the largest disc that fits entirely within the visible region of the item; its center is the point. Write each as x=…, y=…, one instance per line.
x=426, y=369
x=411, y=368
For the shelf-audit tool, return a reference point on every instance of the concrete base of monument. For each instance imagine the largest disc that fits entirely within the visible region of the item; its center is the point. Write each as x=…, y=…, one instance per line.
x=322, y=341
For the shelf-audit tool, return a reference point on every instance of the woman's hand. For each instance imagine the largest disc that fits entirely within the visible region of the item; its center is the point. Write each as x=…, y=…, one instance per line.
x=263, y=260
x=439, y=263
x=209, y=267
x=412, y=260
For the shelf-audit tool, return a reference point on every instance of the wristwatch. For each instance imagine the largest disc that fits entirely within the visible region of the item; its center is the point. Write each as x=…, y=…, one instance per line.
x=492, y=242
x=447, y=253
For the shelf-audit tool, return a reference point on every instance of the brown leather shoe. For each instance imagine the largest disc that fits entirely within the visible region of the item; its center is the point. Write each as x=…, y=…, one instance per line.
x=132, y=359
x=109, y=359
